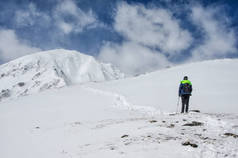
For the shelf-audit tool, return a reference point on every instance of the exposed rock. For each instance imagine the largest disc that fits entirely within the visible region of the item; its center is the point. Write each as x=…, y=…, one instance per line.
x=189, y=143
x=172, y=114
x=198, y=135
x=194, y=123
x=77, y=123
x=124, y=136
x=112, y=148
x=21, y=84
x=231, y=134
x=5, y=93
x=153, y=121
x=36, y=76
x=171, y=126
x=198, y=111
x=2, y=75
x=127, y=143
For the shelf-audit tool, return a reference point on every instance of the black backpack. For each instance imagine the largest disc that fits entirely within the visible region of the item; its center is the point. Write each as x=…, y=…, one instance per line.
x=186, y=88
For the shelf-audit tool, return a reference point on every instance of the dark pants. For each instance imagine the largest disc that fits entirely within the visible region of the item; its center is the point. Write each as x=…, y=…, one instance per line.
x=185, y=103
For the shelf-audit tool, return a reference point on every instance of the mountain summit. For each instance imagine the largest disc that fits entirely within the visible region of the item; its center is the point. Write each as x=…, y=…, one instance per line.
x=51, y=69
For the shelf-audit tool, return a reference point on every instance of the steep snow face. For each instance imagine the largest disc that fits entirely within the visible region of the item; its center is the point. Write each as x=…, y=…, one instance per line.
x=51, y=69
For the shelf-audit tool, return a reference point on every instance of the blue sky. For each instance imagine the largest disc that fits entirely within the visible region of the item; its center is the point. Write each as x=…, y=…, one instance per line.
x=135, y=35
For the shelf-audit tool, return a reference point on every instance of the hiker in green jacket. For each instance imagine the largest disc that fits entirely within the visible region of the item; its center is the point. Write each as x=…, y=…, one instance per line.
x=185, y=91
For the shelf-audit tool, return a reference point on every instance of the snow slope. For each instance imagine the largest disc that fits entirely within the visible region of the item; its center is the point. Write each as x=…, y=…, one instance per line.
x=215, y=87
x=51, y=69
x=127, y=118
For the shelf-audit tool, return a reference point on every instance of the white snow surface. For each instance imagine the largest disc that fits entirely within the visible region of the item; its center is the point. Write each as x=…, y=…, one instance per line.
x=215, y=87
x=51, y=69
x=131, y=117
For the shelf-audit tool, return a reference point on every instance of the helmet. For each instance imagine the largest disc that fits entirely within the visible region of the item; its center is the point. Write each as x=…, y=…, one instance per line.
x=185, y=78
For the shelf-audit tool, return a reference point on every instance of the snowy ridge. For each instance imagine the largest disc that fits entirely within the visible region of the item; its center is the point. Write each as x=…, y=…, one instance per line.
x=215, y=87
x=51, y=69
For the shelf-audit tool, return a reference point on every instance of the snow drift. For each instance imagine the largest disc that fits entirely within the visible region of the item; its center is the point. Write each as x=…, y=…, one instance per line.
x=51, y=69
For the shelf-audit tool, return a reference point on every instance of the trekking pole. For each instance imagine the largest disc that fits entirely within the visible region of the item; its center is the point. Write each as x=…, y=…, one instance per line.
x=177, y=105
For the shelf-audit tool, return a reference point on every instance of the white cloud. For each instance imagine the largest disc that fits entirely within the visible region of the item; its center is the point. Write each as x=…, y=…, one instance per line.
x=154, y=36
x=68, y=6
x=152, y=27
x=81, y=19
x=132, y=58
x=219, y=39
x=11, y=47
x=30, y=16
x=65, y=27
x=150, y=34
x=62, y=12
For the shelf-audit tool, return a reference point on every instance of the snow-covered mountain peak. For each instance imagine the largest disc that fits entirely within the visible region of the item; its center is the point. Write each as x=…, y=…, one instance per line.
x=51, y=69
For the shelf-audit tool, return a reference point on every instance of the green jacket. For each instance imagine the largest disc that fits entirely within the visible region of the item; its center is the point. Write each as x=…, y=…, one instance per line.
x=181, y=87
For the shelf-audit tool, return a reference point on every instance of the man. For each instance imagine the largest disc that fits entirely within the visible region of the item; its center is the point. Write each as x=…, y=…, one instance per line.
x=185, y=91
